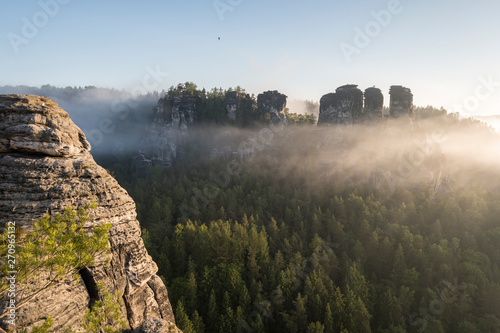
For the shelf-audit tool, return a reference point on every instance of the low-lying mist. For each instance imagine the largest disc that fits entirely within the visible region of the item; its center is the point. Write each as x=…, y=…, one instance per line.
x=303, y=107
x=393, y=153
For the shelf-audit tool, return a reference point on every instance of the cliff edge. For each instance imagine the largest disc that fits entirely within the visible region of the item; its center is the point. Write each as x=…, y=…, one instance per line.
x=45, y=166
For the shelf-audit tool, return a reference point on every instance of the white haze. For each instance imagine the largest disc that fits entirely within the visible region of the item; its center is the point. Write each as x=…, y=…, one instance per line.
x=303, y=107
x=395, y=153
x=389, y=153
x=493, y=121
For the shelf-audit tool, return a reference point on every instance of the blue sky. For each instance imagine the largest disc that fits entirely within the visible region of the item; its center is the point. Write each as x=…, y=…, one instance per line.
x=443, y=50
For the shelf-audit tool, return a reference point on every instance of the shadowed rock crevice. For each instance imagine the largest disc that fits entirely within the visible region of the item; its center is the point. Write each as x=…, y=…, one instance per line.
x=90, y=284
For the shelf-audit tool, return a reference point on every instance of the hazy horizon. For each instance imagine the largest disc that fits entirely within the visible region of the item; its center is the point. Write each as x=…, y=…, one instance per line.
x=99, y=104
x=442, y=51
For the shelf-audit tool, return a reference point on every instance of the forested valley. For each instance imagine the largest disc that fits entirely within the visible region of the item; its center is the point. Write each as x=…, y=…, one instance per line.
x=386, y=228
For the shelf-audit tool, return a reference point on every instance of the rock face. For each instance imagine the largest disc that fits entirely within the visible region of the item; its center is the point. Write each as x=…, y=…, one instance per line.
x=49, y=134
x=343, y=107
x=401, y=102
x=231, y=102
x=273, y=103
x=234, y=101
x=167, y=134
x=45, y=165
x=374, y=103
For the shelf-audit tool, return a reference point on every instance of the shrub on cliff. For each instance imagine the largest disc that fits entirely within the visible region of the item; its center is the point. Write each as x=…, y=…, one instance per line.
x=57, y=246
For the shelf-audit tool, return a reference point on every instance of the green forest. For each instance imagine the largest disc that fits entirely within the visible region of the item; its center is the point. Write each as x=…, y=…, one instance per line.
x=272, y=243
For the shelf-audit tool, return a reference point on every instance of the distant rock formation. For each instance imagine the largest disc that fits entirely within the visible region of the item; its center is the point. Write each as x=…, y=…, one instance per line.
x=374, y=104
x=272, y=104
x=235, y=101
x=174, y=118
x=165, y=136
x=401, y=102
x=343, y=107
x=231, y=102
x=45, y=166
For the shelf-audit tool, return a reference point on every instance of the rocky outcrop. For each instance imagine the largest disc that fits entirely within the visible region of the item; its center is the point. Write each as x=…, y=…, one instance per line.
x=343, y=107
x=235, y=101
x=49, y=134
x=401, y=102
x=272, y=104
x=374, y=104
x=326, y=109
x=45, y=166
x=167, y=134
x=231, y=103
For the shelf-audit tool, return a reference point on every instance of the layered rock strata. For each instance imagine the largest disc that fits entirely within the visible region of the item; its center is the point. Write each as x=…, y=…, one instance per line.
x=45, y=166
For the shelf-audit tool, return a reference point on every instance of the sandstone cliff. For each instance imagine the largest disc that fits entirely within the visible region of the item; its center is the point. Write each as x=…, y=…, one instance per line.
x=273, y=103
x=232, y=103
x=45, y=165
x=401, y=102
x=374, y=105
x=343, y=107
x=165, y=137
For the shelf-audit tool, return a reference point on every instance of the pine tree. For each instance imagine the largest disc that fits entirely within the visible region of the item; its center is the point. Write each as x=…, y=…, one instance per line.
x=228, y=317
x=244, y=298
x=182, y=319
x=300, y=313
x=212, y=314
x=329, y=323
x=358, y=317
x=338, y=308
x=316, y=327
x=191, y=292
x=198, y=325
